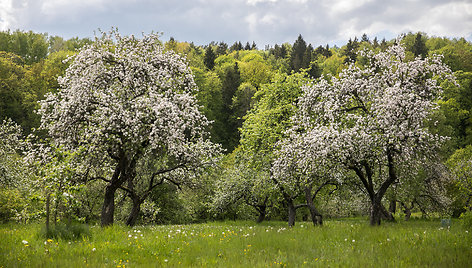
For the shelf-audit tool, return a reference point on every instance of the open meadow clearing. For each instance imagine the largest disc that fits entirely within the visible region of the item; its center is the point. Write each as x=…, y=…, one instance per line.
x=346, y=243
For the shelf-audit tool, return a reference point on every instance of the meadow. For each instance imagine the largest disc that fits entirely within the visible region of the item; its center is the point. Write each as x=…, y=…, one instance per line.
x=339, y=243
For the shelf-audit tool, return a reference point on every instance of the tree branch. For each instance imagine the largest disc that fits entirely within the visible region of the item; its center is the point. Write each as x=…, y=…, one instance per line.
x=328, y=182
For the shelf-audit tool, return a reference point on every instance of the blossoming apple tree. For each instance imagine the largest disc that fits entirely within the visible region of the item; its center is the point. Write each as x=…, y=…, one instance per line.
x=125, y=103
x=371, y=120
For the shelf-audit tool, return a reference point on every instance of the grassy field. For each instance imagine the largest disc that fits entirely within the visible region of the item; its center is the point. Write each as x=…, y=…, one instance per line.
x=345, y=243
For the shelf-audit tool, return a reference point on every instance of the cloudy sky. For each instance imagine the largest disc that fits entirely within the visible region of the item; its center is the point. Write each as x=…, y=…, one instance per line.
x=262, y=21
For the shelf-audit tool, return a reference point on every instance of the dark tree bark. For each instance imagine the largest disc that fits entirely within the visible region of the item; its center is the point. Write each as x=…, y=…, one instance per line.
x=407, y=213
x=468, y=203
x=316, y=217
x=392, y=208
x=139, y=198
x=122, y=170
x=377, y=209
x=133, y=215
x=48, y=198
x=387, y=215
x=376, y=212
x=407, y=209
x=292, y=213
x=262, y=213
x=108, y=208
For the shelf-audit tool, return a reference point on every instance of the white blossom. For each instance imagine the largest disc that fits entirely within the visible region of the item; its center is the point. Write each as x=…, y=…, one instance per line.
x=358, y=120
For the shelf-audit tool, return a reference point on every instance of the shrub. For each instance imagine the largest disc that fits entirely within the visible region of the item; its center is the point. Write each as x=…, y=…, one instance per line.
x=467, y=219
x=11, y=202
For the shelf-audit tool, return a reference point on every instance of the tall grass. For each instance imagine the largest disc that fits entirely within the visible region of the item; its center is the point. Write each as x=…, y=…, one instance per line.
x=345, y=243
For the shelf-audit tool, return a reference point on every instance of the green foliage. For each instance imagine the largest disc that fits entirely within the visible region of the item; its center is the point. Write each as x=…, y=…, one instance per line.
x=32, y=47
x=467, y=220
x=298, y=57
x=209, y=59
x=230, y=82
x=264, y=125
x=12, y=87
x=419, y=48
x=242, y=102
x=460, y=164
x=457, y=55
x=255, y=70
x=350, y=50
x=57, y=43
x=333, y=65
x=54, y=67
x=168, y=206
x=455, y=114
x=11, y=203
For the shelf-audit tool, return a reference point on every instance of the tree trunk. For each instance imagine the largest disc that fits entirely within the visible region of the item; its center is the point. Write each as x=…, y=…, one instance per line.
x=376, y=212
x=133, y=215
x=424, y=215
x=262, y=209
x=387, y=215
x=292, y=212
x=56, y=208
x=467, y=202
x=124, y=170
x=377, y=208
x=48, y=199
x=392, y=208
x=316, y=217
x=262, y=215
x=407, y=210
x=407, y=213
x=108, y=208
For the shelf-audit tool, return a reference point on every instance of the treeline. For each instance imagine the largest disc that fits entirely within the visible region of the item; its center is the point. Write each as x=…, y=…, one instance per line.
x=248, y=94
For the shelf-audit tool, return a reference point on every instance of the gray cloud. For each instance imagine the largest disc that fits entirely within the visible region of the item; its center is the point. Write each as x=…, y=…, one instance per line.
x=262, y=21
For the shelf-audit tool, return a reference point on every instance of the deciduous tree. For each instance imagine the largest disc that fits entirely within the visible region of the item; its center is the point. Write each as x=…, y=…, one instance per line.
x=372, y=120
x=123, y=103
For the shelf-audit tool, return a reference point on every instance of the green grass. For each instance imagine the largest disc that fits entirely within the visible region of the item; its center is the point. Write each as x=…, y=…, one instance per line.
x=345, y=243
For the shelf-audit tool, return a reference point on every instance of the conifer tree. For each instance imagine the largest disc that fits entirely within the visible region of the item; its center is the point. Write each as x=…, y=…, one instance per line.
x=419, y=47
x=298, y=52
x=230, y=84
x=248, y=46
x=209, y=59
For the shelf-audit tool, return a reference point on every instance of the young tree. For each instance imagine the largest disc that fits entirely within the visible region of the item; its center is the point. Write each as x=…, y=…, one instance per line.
x=122, y=102
x=301, y=168
x=372, y=120
x=426, y=190
x=240, y=183
x=265, y=126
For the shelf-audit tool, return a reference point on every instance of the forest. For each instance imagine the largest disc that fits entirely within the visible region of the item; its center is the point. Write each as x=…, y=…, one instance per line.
x=138, y=130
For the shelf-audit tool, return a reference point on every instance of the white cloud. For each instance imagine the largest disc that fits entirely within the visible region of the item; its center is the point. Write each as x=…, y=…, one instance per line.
x=343, y=6
x=254, y=2
x=58, y=7
x=262, y=21
x=6, y=16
